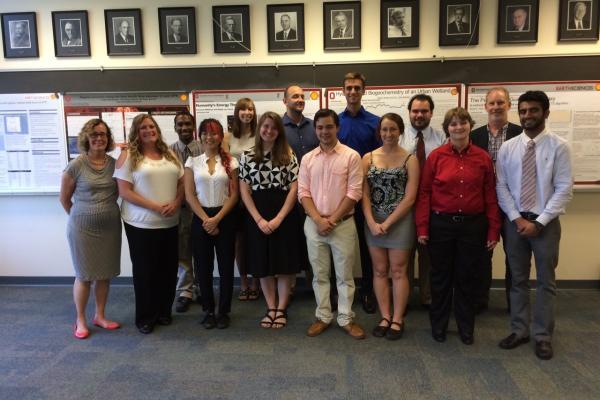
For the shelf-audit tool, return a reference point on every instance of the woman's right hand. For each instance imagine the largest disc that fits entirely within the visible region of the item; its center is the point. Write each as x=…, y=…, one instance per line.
x=375, y=228
x=263, y=225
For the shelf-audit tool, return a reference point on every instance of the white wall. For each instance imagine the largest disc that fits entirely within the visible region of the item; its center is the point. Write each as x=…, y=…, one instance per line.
x=547, y=42
x=32, y=228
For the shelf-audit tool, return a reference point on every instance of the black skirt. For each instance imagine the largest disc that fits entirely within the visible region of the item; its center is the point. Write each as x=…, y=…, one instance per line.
x=277, y=253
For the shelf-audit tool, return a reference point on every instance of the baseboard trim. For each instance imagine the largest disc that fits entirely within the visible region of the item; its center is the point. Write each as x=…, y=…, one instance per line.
x=301, y=282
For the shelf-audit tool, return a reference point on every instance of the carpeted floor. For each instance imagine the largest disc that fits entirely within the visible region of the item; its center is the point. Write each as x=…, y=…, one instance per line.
x=39, y=358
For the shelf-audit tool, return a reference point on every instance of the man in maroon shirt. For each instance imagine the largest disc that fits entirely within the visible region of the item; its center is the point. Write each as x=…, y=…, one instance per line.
x=457, y=218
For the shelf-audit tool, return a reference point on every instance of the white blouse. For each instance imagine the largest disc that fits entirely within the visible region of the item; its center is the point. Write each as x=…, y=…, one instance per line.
x=155, y=180
x=211, y=190
x=238, y=145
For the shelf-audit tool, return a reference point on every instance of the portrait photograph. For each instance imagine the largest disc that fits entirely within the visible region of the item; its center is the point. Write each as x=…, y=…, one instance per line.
x=399, y=24
x=19, y=35
x=71, y=33
x=177, y=26
x=578, y=20
x=123, y=32
x=231, y=29
x=459, y=22
x=342, y=25
x=285, y=27
x=517, y=21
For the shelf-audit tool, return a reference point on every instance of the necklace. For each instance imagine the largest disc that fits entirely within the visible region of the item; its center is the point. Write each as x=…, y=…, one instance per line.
x=97, y=164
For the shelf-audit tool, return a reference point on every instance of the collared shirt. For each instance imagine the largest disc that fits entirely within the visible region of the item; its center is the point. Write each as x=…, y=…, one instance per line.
x=301, y=137
x=358, y=131
x=458, y=183
x=212, y=190
x=494, y=142
x=183, y=151
x=554, y=178
x=432, y=138
x=329, y=177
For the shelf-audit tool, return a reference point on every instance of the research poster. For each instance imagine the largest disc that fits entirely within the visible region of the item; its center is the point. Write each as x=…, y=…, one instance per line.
x=32, y=143
x=220, y=104
x=380, y=100
x=118, y=111
x=574, y=115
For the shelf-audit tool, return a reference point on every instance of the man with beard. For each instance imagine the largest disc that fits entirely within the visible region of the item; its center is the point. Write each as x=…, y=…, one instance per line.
x=534, y=185
x=421, y=139
x=490, y=137
x=185, y=147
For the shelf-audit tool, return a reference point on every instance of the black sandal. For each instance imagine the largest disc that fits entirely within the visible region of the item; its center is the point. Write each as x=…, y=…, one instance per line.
x=395, y=334
x=253, y=294
x=267, y=321
x=244, y=295
x=379, y=330
x=279, y=314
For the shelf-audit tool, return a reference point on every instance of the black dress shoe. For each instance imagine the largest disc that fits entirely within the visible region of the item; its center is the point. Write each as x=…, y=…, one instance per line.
x=182, y=304
x=209, y=321
x=395, y=334
x=543, y=350
x=368, y=303
x=223, y=321
x=439, y=336
x=164, y=321
x=381, y=330
x=467, y=338
x=146, y=329
x=512, y=341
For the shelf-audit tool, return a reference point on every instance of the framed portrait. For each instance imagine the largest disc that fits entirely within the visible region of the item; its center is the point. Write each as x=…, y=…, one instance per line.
x=71, y=33
x=177, y=26
x=124, y=32
x=578, y=20
x=285, y=23
x=231, y=29
x=518, y=21
x=19, y=35
x=459, y=22
x=341, y=25
x=399, y=24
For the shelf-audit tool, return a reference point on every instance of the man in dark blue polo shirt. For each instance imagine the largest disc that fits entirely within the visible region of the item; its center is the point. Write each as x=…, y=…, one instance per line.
x=357, y=130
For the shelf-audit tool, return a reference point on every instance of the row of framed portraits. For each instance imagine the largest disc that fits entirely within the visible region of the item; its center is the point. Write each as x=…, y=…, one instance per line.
x=399, y=27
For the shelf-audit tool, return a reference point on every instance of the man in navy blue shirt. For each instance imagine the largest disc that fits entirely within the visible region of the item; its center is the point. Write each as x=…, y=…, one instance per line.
x=357, y=130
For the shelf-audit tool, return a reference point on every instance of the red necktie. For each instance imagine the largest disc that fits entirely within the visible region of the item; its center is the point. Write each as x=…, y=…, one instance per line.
x=420, y=149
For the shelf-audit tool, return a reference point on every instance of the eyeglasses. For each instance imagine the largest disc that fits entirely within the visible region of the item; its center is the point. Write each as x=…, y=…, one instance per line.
x=97, y=135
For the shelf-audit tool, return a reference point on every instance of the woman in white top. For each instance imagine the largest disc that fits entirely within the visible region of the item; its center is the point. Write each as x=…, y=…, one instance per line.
x=240, y=139
x=150, y=183
x=211, y=190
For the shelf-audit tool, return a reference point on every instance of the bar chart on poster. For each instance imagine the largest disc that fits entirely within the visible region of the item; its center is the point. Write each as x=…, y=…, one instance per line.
x=384, y=99
x=574, y=116
x=32, y=143
x=220, y=104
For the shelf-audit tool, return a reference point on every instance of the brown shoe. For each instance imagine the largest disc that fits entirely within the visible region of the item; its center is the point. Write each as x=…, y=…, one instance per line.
x=317, y=328
x=354, y=330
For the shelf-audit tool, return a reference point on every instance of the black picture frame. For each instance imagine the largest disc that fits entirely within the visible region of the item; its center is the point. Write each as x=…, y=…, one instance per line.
x=279, y=15
x=573, y=29
x=518, y=21
x=399, y=24
x=182, y=20
x=19, y=35
x=231, y=29
x=335, y=16
x=122, y=41
x=451, y=34
x=71, y=33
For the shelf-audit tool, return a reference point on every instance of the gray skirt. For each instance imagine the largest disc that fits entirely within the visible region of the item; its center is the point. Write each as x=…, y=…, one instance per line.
x=400, y=236
x=95, y=243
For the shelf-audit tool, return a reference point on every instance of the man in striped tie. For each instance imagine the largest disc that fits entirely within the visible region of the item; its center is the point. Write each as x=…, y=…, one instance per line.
x=534, y=185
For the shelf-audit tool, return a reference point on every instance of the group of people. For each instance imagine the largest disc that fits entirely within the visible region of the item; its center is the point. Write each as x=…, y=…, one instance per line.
x=362, y=192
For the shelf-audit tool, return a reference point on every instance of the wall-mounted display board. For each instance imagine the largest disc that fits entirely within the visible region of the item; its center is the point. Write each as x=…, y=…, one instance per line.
x=220, y=104
x=574, y=115
x=32, y=143
x=118, y=111
x=384, y=99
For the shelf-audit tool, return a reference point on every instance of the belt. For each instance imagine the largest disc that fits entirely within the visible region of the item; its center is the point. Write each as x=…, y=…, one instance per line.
x=344, y=218
x=529, y=216
x=457, y=217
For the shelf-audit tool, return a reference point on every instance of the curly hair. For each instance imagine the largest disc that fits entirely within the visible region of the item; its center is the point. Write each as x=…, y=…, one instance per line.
x=243, y=104
x=281, y=152
x=212, y=125
x=83, y=139
x=134, y=146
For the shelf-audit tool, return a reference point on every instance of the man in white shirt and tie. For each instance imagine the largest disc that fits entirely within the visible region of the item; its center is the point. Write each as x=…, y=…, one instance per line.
x=580, y=20
x=534, y=185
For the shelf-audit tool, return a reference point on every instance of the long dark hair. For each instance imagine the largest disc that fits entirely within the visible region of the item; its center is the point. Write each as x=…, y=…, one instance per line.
x=236, y=128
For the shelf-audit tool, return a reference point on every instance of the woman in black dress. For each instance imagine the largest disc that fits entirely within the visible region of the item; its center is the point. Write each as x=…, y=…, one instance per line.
x=268, y=187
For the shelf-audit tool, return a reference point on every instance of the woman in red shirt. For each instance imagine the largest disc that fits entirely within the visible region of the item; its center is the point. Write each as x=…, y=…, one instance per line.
x=457, y=218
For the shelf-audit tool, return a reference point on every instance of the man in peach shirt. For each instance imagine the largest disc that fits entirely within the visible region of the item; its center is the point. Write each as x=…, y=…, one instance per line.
x=329, y=185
